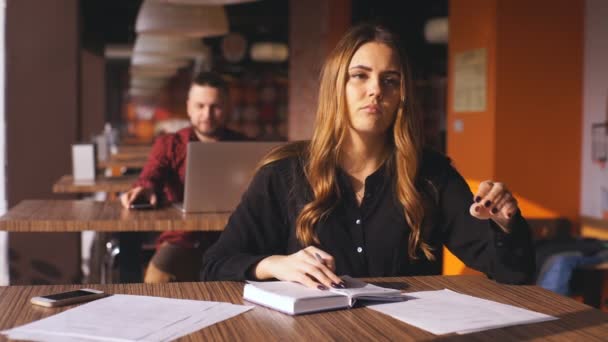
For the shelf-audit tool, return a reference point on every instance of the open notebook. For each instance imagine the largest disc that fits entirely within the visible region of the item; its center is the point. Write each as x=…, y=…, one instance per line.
x=293, y=298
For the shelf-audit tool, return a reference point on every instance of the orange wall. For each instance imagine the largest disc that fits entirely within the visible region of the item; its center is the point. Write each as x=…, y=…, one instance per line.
x=472, y=26
x=529, y=136
x=539, y=101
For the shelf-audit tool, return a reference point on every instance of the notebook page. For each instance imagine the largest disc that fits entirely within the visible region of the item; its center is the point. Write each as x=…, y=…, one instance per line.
x=290, y=289
x=359, y=289
x=129, y=318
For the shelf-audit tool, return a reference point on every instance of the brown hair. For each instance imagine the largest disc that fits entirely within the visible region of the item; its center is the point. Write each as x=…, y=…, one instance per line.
x=331, y=126
x=210, y=79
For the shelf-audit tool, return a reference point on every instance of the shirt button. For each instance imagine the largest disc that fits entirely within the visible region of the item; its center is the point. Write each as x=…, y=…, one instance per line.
x=359, y=249
x=358, y=221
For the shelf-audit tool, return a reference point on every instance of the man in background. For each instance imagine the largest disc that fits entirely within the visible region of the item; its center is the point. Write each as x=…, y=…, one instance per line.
x=178, y=254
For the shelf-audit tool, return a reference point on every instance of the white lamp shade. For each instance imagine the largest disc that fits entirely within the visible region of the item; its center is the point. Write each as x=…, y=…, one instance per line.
x=116, y=51
x=158, y=61
x=189, y=21
x=173, y=46
x=143, y=92
x=150, y=71
x=269, y=52
x=149, y=83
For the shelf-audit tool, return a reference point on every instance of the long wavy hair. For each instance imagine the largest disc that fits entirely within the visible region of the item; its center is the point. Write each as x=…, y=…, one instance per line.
x=322, y=153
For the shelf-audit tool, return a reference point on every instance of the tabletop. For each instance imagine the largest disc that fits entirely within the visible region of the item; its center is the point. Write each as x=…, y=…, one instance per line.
x=577, y=322
x=128, y=151
x=136, y=162
x=79, y=215
x=66, y=184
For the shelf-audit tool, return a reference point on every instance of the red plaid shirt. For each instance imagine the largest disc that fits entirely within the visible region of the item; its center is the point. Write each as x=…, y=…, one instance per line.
x=165, y=173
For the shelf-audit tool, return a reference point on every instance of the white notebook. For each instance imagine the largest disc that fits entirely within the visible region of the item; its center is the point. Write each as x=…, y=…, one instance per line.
x=294, y=299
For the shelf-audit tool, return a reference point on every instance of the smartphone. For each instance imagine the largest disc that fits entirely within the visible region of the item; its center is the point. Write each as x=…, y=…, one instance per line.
x=66, y=298
x=141, y=206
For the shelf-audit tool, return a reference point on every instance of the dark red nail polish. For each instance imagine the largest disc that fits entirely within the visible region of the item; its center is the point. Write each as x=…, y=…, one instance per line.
x=322, y=287
x=477, y=199
x=334, y=285
x=477, y=208
x=494, y=210
x=487, y=204
x=509, y=215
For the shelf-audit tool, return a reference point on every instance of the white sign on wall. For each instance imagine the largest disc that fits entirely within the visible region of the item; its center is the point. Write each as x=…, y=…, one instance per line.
x=470, y=81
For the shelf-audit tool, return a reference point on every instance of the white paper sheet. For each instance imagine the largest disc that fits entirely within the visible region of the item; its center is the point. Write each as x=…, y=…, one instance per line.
x=128, y=318
x=446, y=311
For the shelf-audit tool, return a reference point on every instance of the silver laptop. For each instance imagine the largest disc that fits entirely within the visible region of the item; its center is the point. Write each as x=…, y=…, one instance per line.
x=217, y=174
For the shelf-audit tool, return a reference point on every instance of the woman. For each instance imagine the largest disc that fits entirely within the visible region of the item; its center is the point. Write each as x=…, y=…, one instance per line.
x=362, y=197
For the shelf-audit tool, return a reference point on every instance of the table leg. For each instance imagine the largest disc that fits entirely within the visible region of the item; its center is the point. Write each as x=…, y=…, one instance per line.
x=130, y=257
x=97, y=259
x=593, y=287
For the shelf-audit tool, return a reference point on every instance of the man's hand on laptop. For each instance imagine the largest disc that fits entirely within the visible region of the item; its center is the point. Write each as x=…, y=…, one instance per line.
x=138, y=196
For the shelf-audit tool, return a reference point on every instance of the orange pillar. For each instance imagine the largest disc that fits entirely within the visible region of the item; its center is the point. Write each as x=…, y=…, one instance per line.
x=528, y=133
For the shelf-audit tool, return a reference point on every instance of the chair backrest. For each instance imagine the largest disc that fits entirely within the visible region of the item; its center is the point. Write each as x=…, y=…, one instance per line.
x=558, y=228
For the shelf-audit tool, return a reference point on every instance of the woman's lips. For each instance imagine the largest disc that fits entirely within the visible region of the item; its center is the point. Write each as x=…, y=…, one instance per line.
x=372, y=109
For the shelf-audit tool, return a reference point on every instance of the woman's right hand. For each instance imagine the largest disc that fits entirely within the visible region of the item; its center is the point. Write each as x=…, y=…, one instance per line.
x=139, y=193
x=303, y=267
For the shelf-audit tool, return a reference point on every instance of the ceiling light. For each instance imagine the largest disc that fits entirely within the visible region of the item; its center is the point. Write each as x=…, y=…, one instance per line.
x=269, y=52
x=158, y=61
x=189, y=21
x=148, y=83
x=174, y=46
x=151, y=71
x=436, y=30
x=143, y=92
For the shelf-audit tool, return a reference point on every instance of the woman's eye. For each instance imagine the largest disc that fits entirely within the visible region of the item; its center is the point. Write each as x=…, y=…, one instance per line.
x=392, y=81
x=358, y=76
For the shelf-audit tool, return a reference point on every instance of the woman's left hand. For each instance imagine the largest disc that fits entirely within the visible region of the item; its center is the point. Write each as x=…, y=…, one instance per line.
x=494, y=201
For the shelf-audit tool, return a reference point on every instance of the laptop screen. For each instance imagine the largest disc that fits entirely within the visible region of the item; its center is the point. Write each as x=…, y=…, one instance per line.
x=217, y=174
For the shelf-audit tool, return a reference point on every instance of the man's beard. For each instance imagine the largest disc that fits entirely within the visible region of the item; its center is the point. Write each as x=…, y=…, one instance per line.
x=212, y=132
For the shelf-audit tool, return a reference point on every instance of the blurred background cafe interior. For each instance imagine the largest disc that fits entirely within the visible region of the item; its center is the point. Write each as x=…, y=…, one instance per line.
x=515, y=90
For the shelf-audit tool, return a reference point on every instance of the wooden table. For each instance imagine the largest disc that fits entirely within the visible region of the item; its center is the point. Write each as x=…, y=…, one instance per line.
x=134, y=162
x=81, y=215
x=577, y=322
x=111, y=185
x=132, y=151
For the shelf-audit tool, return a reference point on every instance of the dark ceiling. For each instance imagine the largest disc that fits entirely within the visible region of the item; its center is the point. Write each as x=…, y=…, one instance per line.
x=113, y=22
x=407, y=18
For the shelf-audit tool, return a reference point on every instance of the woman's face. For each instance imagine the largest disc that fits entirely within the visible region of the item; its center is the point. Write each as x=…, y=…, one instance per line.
x=373, y=89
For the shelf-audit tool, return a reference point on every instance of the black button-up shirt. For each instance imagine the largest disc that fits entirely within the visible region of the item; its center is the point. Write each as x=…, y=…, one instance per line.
x=370, y=240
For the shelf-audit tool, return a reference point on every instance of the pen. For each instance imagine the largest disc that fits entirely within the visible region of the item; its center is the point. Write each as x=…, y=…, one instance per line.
x=322, y=261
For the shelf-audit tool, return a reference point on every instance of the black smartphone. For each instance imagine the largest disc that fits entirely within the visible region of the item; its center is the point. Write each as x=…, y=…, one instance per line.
x=141, y=206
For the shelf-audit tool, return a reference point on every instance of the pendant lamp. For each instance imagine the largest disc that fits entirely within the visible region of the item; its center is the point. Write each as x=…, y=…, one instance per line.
x=162, y=18
x=148, y=83
x=158, y=61
x=173, y=46
x=151, y=71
